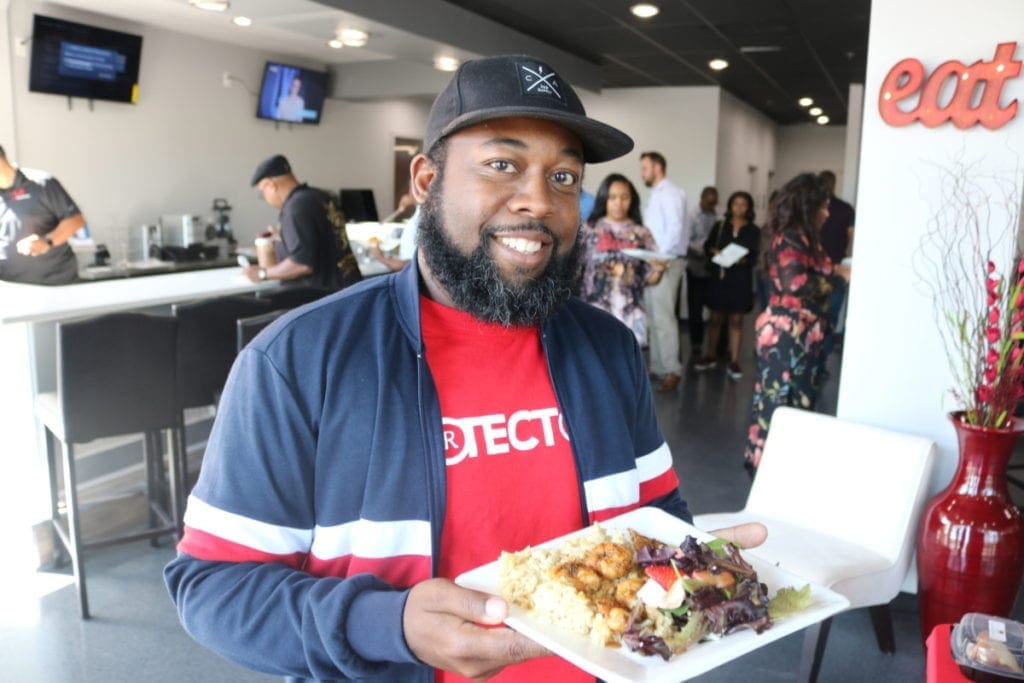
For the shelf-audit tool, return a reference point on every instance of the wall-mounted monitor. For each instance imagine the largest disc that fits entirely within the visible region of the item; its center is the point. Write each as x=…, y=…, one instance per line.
x=84, y=61
x=291, y=94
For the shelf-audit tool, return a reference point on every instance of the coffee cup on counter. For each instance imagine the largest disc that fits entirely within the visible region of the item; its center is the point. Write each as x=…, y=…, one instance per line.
x=265, y=254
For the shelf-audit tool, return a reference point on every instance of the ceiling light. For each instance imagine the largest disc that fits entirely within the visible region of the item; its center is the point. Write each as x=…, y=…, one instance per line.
x=815, y=111
x=822, y=120
x=760, y=48
x=211, y=5
x=335, y=43
x=353, y=37
x=644, y=10
x=242, y=21
x=805, y=101
x=446, y=63
x=718, y=64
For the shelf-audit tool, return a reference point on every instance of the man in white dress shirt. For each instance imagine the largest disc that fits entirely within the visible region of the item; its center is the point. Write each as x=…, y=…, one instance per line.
x=665, y=216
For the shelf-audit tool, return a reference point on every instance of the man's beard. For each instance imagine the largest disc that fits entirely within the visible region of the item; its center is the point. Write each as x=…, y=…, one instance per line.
x=474, y=281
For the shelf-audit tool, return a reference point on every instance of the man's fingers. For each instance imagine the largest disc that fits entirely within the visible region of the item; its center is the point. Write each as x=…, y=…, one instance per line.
x=749, y=535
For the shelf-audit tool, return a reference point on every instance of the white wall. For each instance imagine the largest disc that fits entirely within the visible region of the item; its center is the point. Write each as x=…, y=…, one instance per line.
x=746, y=151
x=810, y=148
x=851, y=160
x=681, y=123
x=894, y=369
x=190, y=139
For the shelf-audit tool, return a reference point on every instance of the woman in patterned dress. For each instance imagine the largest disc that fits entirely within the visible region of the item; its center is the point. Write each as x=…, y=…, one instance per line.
x=791, y=330
x=613, y=281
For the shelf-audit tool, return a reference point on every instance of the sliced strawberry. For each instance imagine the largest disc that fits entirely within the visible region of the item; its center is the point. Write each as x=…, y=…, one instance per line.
x=665, y=575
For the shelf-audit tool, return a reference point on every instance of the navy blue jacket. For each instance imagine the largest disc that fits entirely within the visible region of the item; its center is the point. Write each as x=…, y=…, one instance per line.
x=322, y=490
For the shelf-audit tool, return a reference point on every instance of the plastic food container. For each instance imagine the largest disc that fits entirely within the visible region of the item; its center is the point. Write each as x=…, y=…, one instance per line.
x=988, y=649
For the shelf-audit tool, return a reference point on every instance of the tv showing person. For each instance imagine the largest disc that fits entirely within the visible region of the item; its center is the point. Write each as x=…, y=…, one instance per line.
x=292, y=106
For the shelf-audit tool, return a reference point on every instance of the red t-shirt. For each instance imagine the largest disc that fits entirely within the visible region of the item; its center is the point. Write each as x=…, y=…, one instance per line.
x=511, y=474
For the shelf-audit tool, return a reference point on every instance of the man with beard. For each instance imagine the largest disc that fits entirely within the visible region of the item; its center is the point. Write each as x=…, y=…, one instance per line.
x=374, y=445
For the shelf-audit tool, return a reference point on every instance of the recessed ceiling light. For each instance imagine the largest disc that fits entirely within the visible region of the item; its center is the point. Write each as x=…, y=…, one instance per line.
x=644, y=10
x=805, y=101
x=354, y=37
x=211, y=5
x=822, y=120
x=242, y=21
x=446, y=63
x=718, y=64
x=335, y=43
x=815, y=111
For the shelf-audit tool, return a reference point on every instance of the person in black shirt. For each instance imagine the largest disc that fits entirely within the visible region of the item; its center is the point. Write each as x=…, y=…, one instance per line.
x=37, y=217
x=836, y=239
x=312, y=248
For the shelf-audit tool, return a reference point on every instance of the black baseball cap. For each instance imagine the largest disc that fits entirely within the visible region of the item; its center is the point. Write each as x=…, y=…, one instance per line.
x=519, y=85
x=270, y=168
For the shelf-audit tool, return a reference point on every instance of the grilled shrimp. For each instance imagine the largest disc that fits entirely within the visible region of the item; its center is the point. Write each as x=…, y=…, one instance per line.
x=579, y=575
x=625, y=590
x=616, y=618
x=611, y=560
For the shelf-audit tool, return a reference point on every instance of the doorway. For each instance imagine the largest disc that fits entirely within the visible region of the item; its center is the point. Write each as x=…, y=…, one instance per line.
x=405, y=149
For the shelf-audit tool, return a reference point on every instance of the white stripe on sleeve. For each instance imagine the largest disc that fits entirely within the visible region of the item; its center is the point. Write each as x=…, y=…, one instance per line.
x=252, y=533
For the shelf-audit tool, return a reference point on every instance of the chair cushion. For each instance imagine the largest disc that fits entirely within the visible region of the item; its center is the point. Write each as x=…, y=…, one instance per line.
x=859, y=573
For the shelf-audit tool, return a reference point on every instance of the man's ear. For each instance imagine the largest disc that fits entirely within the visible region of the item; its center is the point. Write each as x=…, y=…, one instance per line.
x=422, y=173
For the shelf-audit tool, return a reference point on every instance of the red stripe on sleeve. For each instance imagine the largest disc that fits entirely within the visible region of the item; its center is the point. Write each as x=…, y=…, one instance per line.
x=401, y=571
x=608, y=513
x=204, y=546
x=661, y=485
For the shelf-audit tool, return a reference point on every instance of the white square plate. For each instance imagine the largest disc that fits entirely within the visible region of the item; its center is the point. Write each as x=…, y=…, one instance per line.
x=647, y=255
x=619, y=665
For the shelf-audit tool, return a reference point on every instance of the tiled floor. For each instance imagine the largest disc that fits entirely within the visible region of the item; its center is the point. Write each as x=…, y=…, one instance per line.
x=135, y=635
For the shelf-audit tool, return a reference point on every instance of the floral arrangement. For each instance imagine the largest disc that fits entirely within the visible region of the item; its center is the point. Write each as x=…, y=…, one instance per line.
x=979, y=310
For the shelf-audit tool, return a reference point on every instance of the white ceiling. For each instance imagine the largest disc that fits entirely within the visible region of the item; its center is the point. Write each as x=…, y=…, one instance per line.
x=292, y=27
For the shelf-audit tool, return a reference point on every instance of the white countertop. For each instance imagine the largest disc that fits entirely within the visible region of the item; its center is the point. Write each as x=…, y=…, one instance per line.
x=36, y=303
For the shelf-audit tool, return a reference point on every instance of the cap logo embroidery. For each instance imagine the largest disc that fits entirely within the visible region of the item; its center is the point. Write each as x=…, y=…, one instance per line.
x=536, y=82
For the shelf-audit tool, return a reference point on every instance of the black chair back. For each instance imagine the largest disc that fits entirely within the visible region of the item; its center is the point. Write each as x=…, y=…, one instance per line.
x=207, y=346
x=105, y=364
x=292, y=297
x=248, y=328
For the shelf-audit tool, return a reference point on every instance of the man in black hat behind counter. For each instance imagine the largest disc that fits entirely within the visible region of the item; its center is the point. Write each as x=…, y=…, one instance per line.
x=312, y=247
x=375, y=445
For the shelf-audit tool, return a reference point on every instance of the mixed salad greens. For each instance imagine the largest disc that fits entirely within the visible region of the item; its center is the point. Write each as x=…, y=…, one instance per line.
x=700, y=589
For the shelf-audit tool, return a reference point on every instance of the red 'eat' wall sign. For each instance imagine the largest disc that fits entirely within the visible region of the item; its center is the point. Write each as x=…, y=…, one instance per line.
x=907, y=77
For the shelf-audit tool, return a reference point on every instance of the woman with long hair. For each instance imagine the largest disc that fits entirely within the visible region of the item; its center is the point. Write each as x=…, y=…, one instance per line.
x=613, y=281
x=791, y=330
x=730, y=292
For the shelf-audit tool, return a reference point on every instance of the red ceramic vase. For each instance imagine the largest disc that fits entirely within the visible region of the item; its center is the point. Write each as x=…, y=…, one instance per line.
x=970, y=545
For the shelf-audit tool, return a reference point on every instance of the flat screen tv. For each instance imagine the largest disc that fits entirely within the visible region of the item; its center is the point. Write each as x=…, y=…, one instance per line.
x=291, y=94
x=84, y=61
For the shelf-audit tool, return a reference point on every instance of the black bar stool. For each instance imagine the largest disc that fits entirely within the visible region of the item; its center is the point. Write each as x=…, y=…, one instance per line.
x=248, y=328
x=206, y=349
x=292, y=297
x=115, y=375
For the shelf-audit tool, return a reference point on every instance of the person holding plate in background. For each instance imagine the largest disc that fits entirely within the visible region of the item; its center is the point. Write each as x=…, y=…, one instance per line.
x=612, y=280
x=731, y=290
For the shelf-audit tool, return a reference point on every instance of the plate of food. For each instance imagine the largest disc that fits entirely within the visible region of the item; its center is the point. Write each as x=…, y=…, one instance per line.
x=648, y=255
x=647, y=598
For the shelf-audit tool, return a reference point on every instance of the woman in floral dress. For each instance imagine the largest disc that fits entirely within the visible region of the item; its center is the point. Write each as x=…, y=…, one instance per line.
x=613, y=281
x=791, y=330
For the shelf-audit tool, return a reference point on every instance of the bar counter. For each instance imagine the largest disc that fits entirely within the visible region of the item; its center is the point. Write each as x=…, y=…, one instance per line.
x=28, y=319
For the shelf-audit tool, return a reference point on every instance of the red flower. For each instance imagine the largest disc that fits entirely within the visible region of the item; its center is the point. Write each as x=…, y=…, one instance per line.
x=984, y=394
x=993, y=316
x=767, y=336
x=991, y=267
x=992, y=357
x=992, y=334
x=797, y=282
